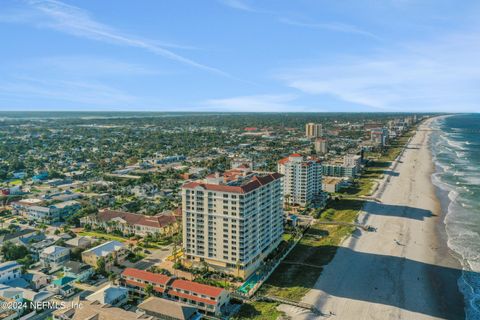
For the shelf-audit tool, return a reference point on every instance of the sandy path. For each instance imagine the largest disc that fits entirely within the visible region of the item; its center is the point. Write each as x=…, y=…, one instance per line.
x=402, y=271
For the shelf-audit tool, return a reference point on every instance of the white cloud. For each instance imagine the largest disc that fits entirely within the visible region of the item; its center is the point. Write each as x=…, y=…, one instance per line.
x=79, y=92
x=78, y=22
x=441, y=74
x=257, y=103
x=331, y=26
x=237, y=4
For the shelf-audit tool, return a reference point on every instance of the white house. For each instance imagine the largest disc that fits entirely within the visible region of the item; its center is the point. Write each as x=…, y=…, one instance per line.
x=110, y=295
x=9, y=271
x=54, y=256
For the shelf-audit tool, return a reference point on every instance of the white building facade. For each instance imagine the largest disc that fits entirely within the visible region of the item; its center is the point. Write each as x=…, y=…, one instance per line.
x=232, y=222
x=302, y=182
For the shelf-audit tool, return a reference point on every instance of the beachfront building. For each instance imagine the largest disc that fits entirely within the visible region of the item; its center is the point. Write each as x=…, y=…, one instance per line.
x=302, y=182
x=313, y=130
x=378, y=136
x=209, y=299
x=132, y=223
x=348, y=167
x=333, y=184
x=111, y=251
x=232, y=221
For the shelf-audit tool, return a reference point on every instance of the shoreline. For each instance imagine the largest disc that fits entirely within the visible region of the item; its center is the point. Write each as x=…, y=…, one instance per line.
x=404, y=270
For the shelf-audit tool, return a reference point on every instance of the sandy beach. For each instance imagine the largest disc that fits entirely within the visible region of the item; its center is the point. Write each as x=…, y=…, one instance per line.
x=404, y=270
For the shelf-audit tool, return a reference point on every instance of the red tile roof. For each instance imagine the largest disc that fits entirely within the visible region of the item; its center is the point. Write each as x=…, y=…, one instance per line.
x=296, y=155
x=146, y=275
x=142, y=285
x=254, y=183
x=196, y=287
x=159, y=221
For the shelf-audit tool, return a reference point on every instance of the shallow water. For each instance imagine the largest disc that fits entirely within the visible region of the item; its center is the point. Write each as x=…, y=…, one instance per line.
x=456, y=154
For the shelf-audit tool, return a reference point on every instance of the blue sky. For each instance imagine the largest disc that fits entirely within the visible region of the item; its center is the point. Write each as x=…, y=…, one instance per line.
x=239, y=55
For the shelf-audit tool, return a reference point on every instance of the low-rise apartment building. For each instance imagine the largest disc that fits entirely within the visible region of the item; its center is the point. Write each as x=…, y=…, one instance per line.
x=132, y=223
x=209, y=299
x=111, y=251
x=232, y=221
x=48, y=214
x=349, y=167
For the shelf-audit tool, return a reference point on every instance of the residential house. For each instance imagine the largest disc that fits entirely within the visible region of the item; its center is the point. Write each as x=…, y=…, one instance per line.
x=166, y=309
x=115, y=296
x=111, y=251
x=10, y=270
x=37, y=280
x=63, y=286
x=79, y=242
x=22, y=236
x=78, y=270
x=54, y=256
x=8, y=313
x=95, y=310
x=132, y=223
x=8, y=292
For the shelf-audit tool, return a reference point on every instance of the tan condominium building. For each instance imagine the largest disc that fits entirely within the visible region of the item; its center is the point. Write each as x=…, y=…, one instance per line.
x=302, y=181
x=321, y=146
x=232, y=221
x=313, y=130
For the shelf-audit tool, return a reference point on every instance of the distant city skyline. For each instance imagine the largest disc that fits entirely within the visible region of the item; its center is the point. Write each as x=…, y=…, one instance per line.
x=239, y=55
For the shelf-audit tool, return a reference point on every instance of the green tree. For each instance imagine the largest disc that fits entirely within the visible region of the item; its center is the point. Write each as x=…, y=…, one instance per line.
x=12, y=251
x=101, y=265
x=148, y=290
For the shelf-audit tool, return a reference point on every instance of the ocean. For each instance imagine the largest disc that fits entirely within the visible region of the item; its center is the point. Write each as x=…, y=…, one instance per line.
x=455, y=146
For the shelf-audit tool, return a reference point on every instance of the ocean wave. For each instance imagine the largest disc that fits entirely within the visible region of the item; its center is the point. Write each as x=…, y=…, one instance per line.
x=457, y=174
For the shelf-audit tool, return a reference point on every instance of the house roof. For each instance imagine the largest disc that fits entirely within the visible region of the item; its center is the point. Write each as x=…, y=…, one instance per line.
x=54, y=250
x=76, y=267
x=146, y=275
x=16, y=234
x=95, y=310
x=75, y=242
x=106, y=248
x=172, y=309
x=197, y=287
x=253, y=182
x=8, y=265
x=63, y=281
x=158, y=221
x=107, y=294
x=18, y=283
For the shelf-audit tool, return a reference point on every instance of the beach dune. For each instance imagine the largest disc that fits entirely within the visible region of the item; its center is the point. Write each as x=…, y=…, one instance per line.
x=404, y=270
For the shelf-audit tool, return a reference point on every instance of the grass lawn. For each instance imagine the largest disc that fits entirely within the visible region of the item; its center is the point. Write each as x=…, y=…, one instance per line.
x=259, y=311
x=100, y=235
x=15, y=182
x=301, y=268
